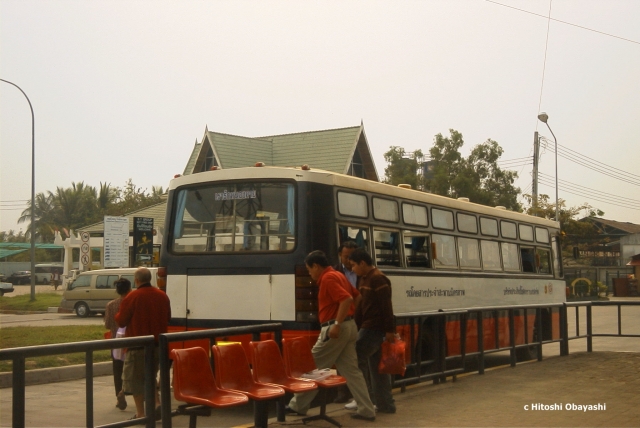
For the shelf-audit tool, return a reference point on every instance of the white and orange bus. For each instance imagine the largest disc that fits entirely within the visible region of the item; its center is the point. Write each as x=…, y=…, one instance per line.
x=235, y=241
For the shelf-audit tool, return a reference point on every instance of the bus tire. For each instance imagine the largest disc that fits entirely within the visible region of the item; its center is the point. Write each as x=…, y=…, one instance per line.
x=82, y=310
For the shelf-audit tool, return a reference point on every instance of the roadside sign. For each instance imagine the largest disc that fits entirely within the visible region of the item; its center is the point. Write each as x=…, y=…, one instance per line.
x=116, y=241
x=84, y=236
x=143, y=239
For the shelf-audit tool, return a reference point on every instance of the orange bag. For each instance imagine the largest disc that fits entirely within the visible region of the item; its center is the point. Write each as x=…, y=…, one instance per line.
x=392, y=358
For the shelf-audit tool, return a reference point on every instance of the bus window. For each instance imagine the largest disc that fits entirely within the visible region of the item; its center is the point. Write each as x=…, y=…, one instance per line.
x=385, y=210
x=508, y=229
x=442, y=219
x=387, y=248
x=510, y=257
x=354, y=233
x=542, y=235
x=467, y=223
x=415, y=214
x=489, y=226
x=543, y=261
x=526, y=232
x=445, y=251
x=235, y=217
x=528, y=259
x=469, y=253
x=352, y=204
x=490, y=255
x=416, y=250
x=556, y=250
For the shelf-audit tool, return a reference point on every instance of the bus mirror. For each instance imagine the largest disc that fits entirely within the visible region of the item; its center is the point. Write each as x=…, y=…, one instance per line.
x=434, y=253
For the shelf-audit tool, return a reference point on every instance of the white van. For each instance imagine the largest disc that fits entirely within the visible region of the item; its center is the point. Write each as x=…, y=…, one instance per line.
x=90, y=292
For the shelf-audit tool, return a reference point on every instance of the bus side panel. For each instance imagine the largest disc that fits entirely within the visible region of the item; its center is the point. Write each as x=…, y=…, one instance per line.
x=229, y=297
x=177, y=292
x=283, y=298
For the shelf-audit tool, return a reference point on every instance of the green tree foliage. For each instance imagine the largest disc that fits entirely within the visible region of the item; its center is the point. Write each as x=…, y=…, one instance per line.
x=478, y=177
x=402, y=167
x=81, y=205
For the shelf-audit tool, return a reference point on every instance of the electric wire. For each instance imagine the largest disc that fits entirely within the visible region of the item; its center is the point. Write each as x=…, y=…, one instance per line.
x=587, y=195
x=564, y=22
x=587, y=162
x=579, y=187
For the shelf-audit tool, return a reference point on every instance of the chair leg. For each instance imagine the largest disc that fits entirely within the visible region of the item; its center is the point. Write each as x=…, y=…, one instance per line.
x=260, y=414
x=280, y=409
x=323, y=411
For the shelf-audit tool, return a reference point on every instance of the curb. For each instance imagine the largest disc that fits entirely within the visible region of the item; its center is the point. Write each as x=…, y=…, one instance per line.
x=57, y=374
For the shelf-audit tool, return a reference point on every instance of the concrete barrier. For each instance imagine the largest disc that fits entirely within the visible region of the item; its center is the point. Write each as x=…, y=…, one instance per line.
x=57, y=374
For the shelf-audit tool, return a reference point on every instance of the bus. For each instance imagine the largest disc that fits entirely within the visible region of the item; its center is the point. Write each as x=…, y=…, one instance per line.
x=44, y=272
x=235, y=241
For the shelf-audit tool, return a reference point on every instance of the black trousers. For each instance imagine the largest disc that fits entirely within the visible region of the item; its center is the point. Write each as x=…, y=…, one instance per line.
x=118, y=366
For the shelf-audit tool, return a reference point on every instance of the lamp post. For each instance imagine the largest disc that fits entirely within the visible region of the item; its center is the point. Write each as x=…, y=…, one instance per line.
x=33, y=194
x=544, y=117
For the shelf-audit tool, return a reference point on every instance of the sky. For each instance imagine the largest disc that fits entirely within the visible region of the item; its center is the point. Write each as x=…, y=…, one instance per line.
x=123, y=89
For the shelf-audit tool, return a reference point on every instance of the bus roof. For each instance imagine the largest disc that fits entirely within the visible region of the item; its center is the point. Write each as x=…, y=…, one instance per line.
x=353, y=183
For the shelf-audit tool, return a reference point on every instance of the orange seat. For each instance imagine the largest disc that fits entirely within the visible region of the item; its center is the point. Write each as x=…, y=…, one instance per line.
x=298, y=360
x=233, y=373
x=268, y=367
x=193, y=382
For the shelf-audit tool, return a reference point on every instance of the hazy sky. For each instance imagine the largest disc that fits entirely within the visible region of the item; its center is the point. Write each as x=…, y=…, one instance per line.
x=122, y=89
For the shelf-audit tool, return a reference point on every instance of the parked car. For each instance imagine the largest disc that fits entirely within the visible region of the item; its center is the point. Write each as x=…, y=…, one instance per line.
x=5, y=287
x=20, y=277
x=90, y=292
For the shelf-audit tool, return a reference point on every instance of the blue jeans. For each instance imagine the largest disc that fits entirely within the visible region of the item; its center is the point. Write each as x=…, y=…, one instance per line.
x=379, y=385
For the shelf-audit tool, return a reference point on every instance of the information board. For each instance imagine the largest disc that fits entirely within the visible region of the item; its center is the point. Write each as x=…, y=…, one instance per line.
x=116, y=242
x=143, y=240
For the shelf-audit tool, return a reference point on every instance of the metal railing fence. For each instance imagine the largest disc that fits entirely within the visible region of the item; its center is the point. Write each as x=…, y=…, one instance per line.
x=419, y=325
x=19, y=355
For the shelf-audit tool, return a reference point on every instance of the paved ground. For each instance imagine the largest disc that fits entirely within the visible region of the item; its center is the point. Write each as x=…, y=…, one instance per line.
x=497, y=398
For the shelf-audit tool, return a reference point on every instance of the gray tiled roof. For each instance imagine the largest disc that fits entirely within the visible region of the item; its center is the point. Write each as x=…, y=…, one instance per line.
x=330, y=150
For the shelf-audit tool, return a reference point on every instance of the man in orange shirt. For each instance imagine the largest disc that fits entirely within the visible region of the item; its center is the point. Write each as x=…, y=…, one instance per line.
x=336, y=342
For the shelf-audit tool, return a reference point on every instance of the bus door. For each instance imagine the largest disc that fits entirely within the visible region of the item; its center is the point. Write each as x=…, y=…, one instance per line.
x=229, y=294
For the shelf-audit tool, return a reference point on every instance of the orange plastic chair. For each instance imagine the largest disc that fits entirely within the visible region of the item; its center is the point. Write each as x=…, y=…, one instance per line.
x=298, y=360
x=268, y=367
x=233, y=373
x=193, y=383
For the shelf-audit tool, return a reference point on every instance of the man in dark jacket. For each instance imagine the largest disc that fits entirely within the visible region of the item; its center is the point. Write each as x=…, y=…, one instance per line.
x=374, y=317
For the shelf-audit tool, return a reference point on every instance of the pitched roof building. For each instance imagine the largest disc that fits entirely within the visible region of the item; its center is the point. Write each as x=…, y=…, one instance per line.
x=342, y=150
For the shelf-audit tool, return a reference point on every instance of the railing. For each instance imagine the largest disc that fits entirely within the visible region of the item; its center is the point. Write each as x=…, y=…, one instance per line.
x=18, y=356
x=589, y=322
x=417, y=323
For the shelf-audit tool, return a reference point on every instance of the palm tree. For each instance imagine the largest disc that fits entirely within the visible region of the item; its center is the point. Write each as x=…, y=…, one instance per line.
x=45, y=224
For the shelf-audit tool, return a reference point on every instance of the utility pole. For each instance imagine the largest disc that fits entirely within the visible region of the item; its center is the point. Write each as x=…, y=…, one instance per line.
x=534, y=185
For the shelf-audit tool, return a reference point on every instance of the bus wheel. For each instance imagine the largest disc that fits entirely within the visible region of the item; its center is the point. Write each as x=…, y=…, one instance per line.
x=82, y=310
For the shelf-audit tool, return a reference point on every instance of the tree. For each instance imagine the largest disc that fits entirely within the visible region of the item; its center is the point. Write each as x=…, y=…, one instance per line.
x=81, y=205
x=477, y=177
x=402, y=167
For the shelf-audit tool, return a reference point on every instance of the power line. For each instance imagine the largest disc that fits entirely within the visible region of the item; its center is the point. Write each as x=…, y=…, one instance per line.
x=594, y=165
x=564, y=22
x=606, y=200
x=579, y=187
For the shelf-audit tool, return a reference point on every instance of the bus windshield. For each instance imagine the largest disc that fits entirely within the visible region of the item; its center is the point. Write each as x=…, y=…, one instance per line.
x=231, y=217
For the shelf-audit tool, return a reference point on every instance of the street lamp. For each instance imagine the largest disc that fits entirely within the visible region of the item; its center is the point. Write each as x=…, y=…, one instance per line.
x=544, y=117
x=33, y=194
